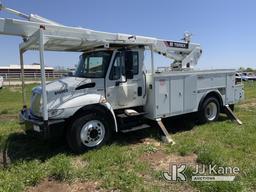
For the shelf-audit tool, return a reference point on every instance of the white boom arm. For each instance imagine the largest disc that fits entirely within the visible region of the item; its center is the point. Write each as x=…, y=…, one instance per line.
x=64, y=38
x=31, y=17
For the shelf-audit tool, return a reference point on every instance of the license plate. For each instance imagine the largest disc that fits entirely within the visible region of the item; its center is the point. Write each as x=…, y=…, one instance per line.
x=36, y=128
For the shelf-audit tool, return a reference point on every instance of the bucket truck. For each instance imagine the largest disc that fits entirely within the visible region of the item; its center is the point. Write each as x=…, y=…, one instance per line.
x=111, y=91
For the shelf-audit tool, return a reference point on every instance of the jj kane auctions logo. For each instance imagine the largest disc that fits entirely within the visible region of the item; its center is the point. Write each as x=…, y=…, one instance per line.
x=201, y=173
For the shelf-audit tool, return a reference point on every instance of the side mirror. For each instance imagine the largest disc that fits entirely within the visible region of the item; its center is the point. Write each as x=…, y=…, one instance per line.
x=128, y=59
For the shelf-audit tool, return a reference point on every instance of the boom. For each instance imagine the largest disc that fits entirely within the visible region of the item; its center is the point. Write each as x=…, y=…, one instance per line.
x=185, y=55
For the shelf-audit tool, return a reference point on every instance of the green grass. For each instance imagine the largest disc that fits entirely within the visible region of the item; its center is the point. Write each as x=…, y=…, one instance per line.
x=27, y=160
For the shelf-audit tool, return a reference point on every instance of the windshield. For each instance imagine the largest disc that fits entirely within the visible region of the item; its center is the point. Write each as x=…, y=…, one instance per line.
x=94, y=64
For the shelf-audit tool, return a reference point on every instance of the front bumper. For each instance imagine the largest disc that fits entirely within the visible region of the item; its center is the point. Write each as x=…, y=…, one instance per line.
x=45, y=128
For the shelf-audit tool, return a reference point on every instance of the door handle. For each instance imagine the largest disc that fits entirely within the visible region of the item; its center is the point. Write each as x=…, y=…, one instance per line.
x=139, y=92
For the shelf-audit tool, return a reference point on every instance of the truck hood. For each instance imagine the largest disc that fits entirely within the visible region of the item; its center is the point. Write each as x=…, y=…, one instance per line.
x=62, y=90
x=69, y=83
x=62, y=85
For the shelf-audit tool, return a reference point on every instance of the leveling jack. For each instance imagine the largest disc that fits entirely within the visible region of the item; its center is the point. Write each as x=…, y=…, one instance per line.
x=166, y=137
x=231, y=115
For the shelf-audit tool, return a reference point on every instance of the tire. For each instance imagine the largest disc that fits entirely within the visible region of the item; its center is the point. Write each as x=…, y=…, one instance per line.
x=209, y=110
x=30, y=133
x=89, y=131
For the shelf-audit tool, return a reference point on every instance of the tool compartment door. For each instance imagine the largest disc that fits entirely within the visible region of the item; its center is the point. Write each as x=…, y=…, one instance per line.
x=190, y=95
x=162, y=96
x=230, y=89
x=177, y=92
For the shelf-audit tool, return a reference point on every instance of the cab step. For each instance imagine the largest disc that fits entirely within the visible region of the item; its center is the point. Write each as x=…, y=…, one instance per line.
x=131, y=113
x=129, y=119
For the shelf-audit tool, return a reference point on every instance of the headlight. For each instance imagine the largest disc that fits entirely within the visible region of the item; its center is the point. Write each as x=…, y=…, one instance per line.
x=36, y=104
x=55, y=112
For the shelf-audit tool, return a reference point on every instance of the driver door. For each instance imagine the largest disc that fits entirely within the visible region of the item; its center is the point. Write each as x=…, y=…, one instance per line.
x=122, y=92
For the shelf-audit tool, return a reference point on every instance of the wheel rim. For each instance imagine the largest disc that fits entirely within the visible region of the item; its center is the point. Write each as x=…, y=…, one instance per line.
x=211, y=111
x=92, y=133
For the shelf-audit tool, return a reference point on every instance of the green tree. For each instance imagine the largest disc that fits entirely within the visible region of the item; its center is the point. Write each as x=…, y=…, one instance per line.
x=241, y=69
x=249, y=69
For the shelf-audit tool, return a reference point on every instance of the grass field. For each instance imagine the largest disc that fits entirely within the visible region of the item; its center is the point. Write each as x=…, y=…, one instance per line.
x=134, y=161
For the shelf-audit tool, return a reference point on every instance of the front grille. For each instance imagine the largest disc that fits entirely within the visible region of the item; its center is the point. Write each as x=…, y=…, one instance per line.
x=35, y=104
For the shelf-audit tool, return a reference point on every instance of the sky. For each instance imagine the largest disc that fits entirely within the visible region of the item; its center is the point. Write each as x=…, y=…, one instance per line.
x=226, y=29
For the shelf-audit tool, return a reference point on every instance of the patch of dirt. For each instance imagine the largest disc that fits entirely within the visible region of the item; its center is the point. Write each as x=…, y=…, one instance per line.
x=248, y=105
x=15, y=89
x=145, y=141
x=78, y=163
x=55, y=186
x=161, y=161
x=151, y=141
x=175, y=186
x=8, y=117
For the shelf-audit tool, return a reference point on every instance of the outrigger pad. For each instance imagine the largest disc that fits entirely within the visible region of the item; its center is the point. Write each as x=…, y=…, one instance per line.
x=231, y=114
x=166, y=139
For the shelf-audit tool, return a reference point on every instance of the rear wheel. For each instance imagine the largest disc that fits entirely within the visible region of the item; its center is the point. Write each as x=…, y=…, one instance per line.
x=87, y=132
x=209, y=110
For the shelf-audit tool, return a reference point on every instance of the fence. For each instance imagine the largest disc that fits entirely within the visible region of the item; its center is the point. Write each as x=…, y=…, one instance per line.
x=31, y=76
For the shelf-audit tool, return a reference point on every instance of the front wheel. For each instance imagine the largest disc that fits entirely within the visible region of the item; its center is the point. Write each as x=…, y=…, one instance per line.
x=87, y=132
x=209, y=111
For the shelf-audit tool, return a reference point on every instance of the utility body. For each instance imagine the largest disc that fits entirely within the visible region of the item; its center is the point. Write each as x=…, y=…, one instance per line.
x=111, y=90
